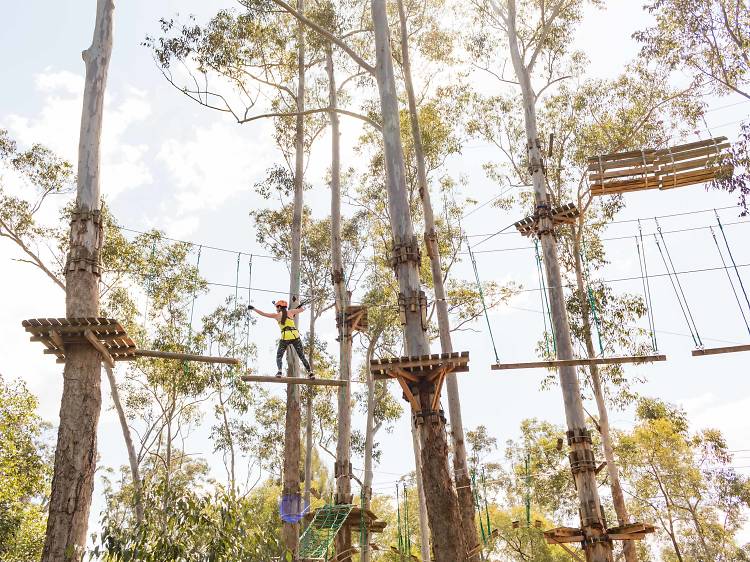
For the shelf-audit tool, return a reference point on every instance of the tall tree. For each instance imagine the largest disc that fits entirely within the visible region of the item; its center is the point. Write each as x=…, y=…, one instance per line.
x=543, y=31
x=75, y=454
x=460, y=467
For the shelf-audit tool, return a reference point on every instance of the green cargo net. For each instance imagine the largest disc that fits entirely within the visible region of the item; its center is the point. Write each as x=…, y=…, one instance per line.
x=317, y=538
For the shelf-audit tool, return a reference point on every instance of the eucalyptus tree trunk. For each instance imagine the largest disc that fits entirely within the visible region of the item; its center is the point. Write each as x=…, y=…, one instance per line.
x=460, y=465
x=424, y=531
x=75, y=454
x=309, y=410
x=135, y=472
x=342, y=470
x=618, y=498
x=290, y=487
x=370, y=430
x=442, y=503
x=592, y=521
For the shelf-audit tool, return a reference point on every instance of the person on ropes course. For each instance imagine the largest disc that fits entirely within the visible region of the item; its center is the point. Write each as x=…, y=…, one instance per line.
x=289, y=332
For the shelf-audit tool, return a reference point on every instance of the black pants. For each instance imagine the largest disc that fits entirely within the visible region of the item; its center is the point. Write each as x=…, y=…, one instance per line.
x=297, y=344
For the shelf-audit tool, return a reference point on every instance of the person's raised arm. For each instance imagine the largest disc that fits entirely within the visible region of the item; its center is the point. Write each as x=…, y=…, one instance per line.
x=273, y=315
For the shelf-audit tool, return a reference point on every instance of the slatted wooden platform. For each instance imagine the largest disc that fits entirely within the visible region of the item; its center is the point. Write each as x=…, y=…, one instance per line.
x=356, y=316
x=669, y=168
x=293, y=380
x=106, y=335
x=565, y=214
x=630, y=532
x=720, y=350
x=55, y=333
x=420, y=366
x=413, y=371
x=553, y=364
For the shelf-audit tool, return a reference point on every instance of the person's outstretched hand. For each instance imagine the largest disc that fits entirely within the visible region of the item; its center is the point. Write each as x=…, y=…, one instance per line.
x=250, y=307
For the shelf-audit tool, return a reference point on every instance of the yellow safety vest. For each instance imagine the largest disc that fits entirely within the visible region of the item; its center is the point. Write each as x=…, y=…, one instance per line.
x=288, y=330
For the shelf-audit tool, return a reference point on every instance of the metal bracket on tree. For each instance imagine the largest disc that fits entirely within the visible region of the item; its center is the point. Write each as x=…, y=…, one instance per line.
x=80, y=257
x=415, y=302
x=404, y=252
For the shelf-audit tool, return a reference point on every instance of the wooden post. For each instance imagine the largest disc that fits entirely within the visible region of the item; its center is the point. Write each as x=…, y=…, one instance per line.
x=460, y=465
x=596, y=546
x=618, y=498
x=75, y=454
x=309, y=410
x=442, y=503
x=290, y=485
x=343, y=542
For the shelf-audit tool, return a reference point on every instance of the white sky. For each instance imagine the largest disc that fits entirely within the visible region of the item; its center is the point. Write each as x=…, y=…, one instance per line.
x=170, y=164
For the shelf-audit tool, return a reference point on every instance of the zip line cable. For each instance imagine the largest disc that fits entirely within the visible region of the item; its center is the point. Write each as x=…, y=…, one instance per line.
x=731, y=282
x=481, y=298
x=487, y=235
x=731, y=257
x=640, y=246
x=678, y=289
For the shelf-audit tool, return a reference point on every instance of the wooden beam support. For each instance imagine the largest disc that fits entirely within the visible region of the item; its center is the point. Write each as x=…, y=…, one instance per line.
x=186, y=357
x=294, y=380
x=99, y=346
x=438, y=389
x=720, y=350
x=409, y=396
x=399, y=372
x=636, y=359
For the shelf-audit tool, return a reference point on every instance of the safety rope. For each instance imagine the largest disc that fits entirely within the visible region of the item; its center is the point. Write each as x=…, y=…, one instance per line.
x=641, y=248
x=592, y=300
x=731, y=257
x=684, y=306
x=407, y=542
x=731, y=282
x=247, y=320
x=481, y=298
x=185, y=364
x=546, y=311
x=486, y=505
x=398, y=523
x=236, y=296
x=478, y=506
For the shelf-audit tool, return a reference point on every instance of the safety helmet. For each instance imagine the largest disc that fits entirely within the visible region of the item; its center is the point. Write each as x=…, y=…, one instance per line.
x=281, y=303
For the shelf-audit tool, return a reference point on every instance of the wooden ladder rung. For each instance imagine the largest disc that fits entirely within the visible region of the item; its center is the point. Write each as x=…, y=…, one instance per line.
x=720, y=350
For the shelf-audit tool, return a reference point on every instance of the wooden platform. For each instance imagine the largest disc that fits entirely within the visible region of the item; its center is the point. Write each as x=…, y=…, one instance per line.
x=677, y=166
x=294, y=380
x=553, y=364
x=354, y=520
x=55, y=333
x=355, y=316
x=565, y=214
x=106, y=335
x=413, y=371
x=630, y=532
x=720, y=350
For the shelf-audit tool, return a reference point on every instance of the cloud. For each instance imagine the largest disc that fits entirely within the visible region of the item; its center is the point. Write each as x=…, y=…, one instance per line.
x=216, y=163
x=57, y=125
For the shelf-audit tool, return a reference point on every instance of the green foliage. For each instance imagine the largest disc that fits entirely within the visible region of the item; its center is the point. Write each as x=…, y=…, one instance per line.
x=684, y=483
x=737, y=180
x=710, y=39
x=197, y=527
x=25, y=474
